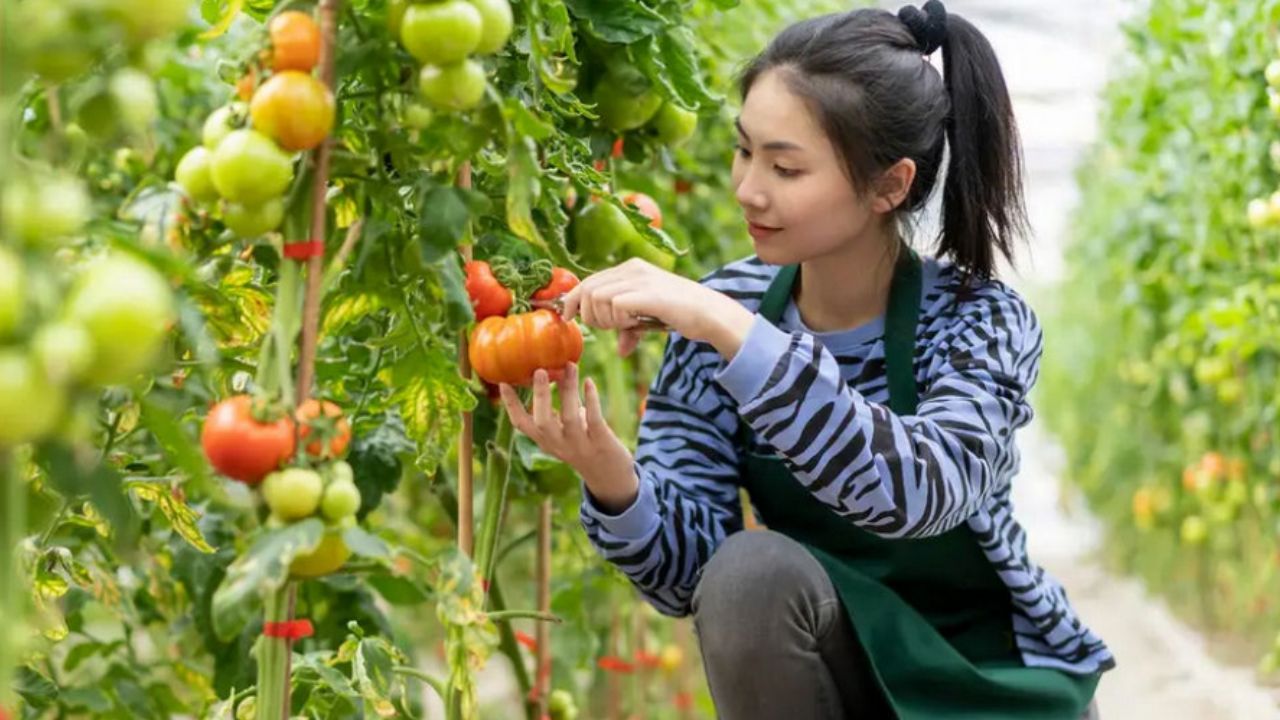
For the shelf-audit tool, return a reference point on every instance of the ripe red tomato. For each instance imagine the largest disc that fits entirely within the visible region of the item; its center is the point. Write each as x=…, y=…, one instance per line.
x=562, y=281
x=332, y=427
x=242, y=447
x=295, y=41
x=509, y=349
x=294, y=108
x=647, y=207
x=488, y=297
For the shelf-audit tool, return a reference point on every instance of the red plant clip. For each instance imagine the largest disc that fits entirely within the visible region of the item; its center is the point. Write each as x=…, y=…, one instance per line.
x=612, y=663
x=289, y=630
x=527, y=640
x=684, y=701
x=647, y=659
x=304, y=249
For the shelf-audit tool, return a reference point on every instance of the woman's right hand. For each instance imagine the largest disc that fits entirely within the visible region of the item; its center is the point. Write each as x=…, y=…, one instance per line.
x=577, y=435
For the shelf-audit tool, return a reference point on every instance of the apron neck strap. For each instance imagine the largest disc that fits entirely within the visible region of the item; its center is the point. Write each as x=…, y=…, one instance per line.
x=901, y=318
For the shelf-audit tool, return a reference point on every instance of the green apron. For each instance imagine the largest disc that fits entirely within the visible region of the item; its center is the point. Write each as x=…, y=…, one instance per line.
x=931, y=614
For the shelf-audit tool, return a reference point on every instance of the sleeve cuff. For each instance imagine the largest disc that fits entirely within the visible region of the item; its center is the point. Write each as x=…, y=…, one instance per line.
x=637, y=521
x=745, y=375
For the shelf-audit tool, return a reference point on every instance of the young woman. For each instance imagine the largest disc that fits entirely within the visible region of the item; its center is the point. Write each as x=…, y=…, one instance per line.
x=866, y=397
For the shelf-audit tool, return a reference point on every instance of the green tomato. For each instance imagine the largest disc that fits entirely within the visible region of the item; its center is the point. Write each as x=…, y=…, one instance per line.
x=1259, y=213
x=452, y=87
x=250, y=221
x=496, y=21
x=1273, y=74
x=44, y=208
x=1194, y=530
x=620, y=108
x=13, y=292
x=247, y=709
x=193, y=175
x=64, y=349
x=1273, y=101
x=328, y=557
x=222, y=122
x=338, y=471
x=673, y=124
x=135, y=101
x=30, y=404
x=341, y=500
x=249, y=168
x=561, y=706
x=417, y=116
x=441, y=33
x=600, y=230
x=127, y=307
x=147, y=19
x=293, y=493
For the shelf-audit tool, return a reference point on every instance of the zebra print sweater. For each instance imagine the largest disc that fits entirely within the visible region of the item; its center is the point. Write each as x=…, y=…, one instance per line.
x=819, y=402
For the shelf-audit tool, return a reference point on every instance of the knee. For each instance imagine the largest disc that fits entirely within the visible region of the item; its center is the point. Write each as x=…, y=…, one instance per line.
x=752, y=577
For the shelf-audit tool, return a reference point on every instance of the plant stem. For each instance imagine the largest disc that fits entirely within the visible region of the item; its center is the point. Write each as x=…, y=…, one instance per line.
x=11, y=599
x=272, y=656
x=506, y=615
x=436, y=683
x=496, y=475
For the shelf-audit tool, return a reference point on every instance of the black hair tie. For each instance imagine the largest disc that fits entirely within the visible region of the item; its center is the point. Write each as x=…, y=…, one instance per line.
x=928, y=25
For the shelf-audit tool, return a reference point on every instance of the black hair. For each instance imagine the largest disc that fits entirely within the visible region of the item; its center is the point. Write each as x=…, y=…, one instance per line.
x=865, y=75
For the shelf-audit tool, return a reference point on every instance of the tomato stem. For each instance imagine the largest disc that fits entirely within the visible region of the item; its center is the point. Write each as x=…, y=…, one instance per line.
x=11, y=600
x=496, y=474
x=273, y=681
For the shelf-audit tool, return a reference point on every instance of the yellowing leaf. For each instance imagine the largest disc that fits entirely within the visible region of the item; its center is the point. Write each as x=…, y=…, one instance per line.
x=180, y=515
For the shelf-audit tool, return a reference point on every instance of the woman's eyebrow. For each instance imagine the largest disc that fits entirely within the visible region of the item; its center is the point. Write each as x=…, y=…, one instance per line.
x=772, y=144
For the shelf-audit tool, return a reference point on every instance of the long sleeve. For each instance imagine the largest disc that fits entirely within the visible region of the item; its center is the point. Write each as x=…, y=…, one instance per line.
x=688, y=470
x=898, y=477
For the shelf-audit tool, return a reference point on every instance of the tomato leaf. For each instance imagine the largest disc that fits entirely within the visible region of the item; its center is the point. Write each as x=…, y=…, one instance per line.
x=262, y=569
x=182, y=518
x=365, y=544
x=458, y=312
x=172, y=436
x=399, y=590
x=670, y=60
x=431, y=397
x=617, y=21
x=523, y=187
x=375, y=461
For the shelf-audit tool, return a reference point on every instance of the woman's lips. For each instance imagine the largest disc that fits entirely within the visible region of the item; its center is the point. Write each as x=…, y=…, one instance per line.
x=760, y=232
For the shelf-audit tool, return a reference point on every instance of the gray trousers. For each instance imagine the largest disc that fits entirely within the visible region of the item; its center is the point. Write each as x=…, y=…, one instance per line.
x=775, y=641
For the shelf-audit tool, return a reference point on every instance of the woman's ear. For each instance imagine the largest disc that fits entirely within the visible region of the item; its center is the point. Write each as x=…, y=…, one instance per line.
x=893, y=186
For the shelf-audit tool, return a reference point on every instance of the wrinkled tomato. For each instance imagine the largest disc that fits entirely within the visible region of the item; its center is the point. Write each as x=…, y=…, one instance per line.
x=509, y=349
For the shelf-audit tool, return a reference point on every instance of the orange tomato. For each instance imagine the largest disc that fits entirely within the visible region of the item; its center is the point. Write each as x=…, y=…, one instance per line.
x=509, y=349
x=329, y=424
x=294, y=109
x=295, y=41
x=247, y=84
x=647, y=207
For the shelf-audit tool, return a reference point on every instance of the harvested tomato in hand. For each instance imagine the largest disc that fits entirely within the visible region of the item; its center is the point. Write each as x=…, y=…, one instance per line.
x=293, y=108
x=332, y=427
x=647, y=206
x=509, y=350
x=295, y=41
x=488, y=297
x=562, y=281
x=240, y=445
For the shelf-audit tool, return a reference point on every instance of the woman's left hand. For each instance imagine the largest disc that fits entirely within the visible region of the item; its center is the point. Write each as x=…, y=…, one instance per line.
x=612, y=299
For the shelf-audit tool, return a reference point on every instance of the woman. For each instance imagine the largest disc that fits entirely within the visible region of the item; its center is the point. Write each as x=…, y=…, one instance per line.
x=864, y=396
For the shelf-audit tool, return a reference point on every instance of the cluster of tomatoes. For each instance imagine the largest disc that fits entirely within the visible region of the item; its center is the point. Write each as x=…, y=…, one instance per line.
x=258, y=444
x=509, y=348
x=246, y=158
x=63, y=334
x=443, y=36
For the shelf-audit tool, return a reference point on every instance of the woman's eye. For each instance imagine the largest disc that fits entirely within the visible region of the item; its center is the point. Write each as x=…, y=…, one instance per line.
x=785, y=172
x=743, y=151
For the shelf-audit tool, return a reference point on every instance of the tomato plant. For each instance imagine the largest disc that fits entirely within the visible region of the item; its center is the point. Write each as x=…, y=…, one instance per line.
x=293, y=493
x=325, y=419
x=294, y=109
x=295, y=41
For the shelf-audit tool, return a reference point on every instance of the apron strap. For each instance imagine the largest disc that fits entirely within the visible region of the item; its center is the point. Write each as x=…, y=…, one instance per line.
x=901, y=319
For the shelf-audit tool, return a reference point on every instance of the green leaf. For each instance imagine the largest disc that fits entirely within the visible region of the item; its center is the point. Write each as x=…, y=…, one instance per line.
x=458, y=312
x=670, y=60
x=442, y=220
x=264, y=568
x=617, y=21
x=364, y=544
x=171, y=435
x=180, y=515
x=373, y=669
x=431, y=397
x=347, y=310
x=523, y=188
x=375, y=460
x=398, y=590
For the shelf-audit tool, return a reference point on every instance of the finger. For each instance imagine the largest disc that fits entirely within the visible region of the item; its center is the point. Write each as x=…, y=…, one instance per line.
x=628, y=340
x=595, y=414
x=548, y=424
x=570, y=403
x=570, y=301
x=520, y=419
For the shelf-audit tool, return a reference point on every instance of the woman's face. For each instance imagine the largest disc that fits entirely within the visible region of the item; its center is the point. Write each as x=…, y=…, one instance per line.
x=790, y=181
